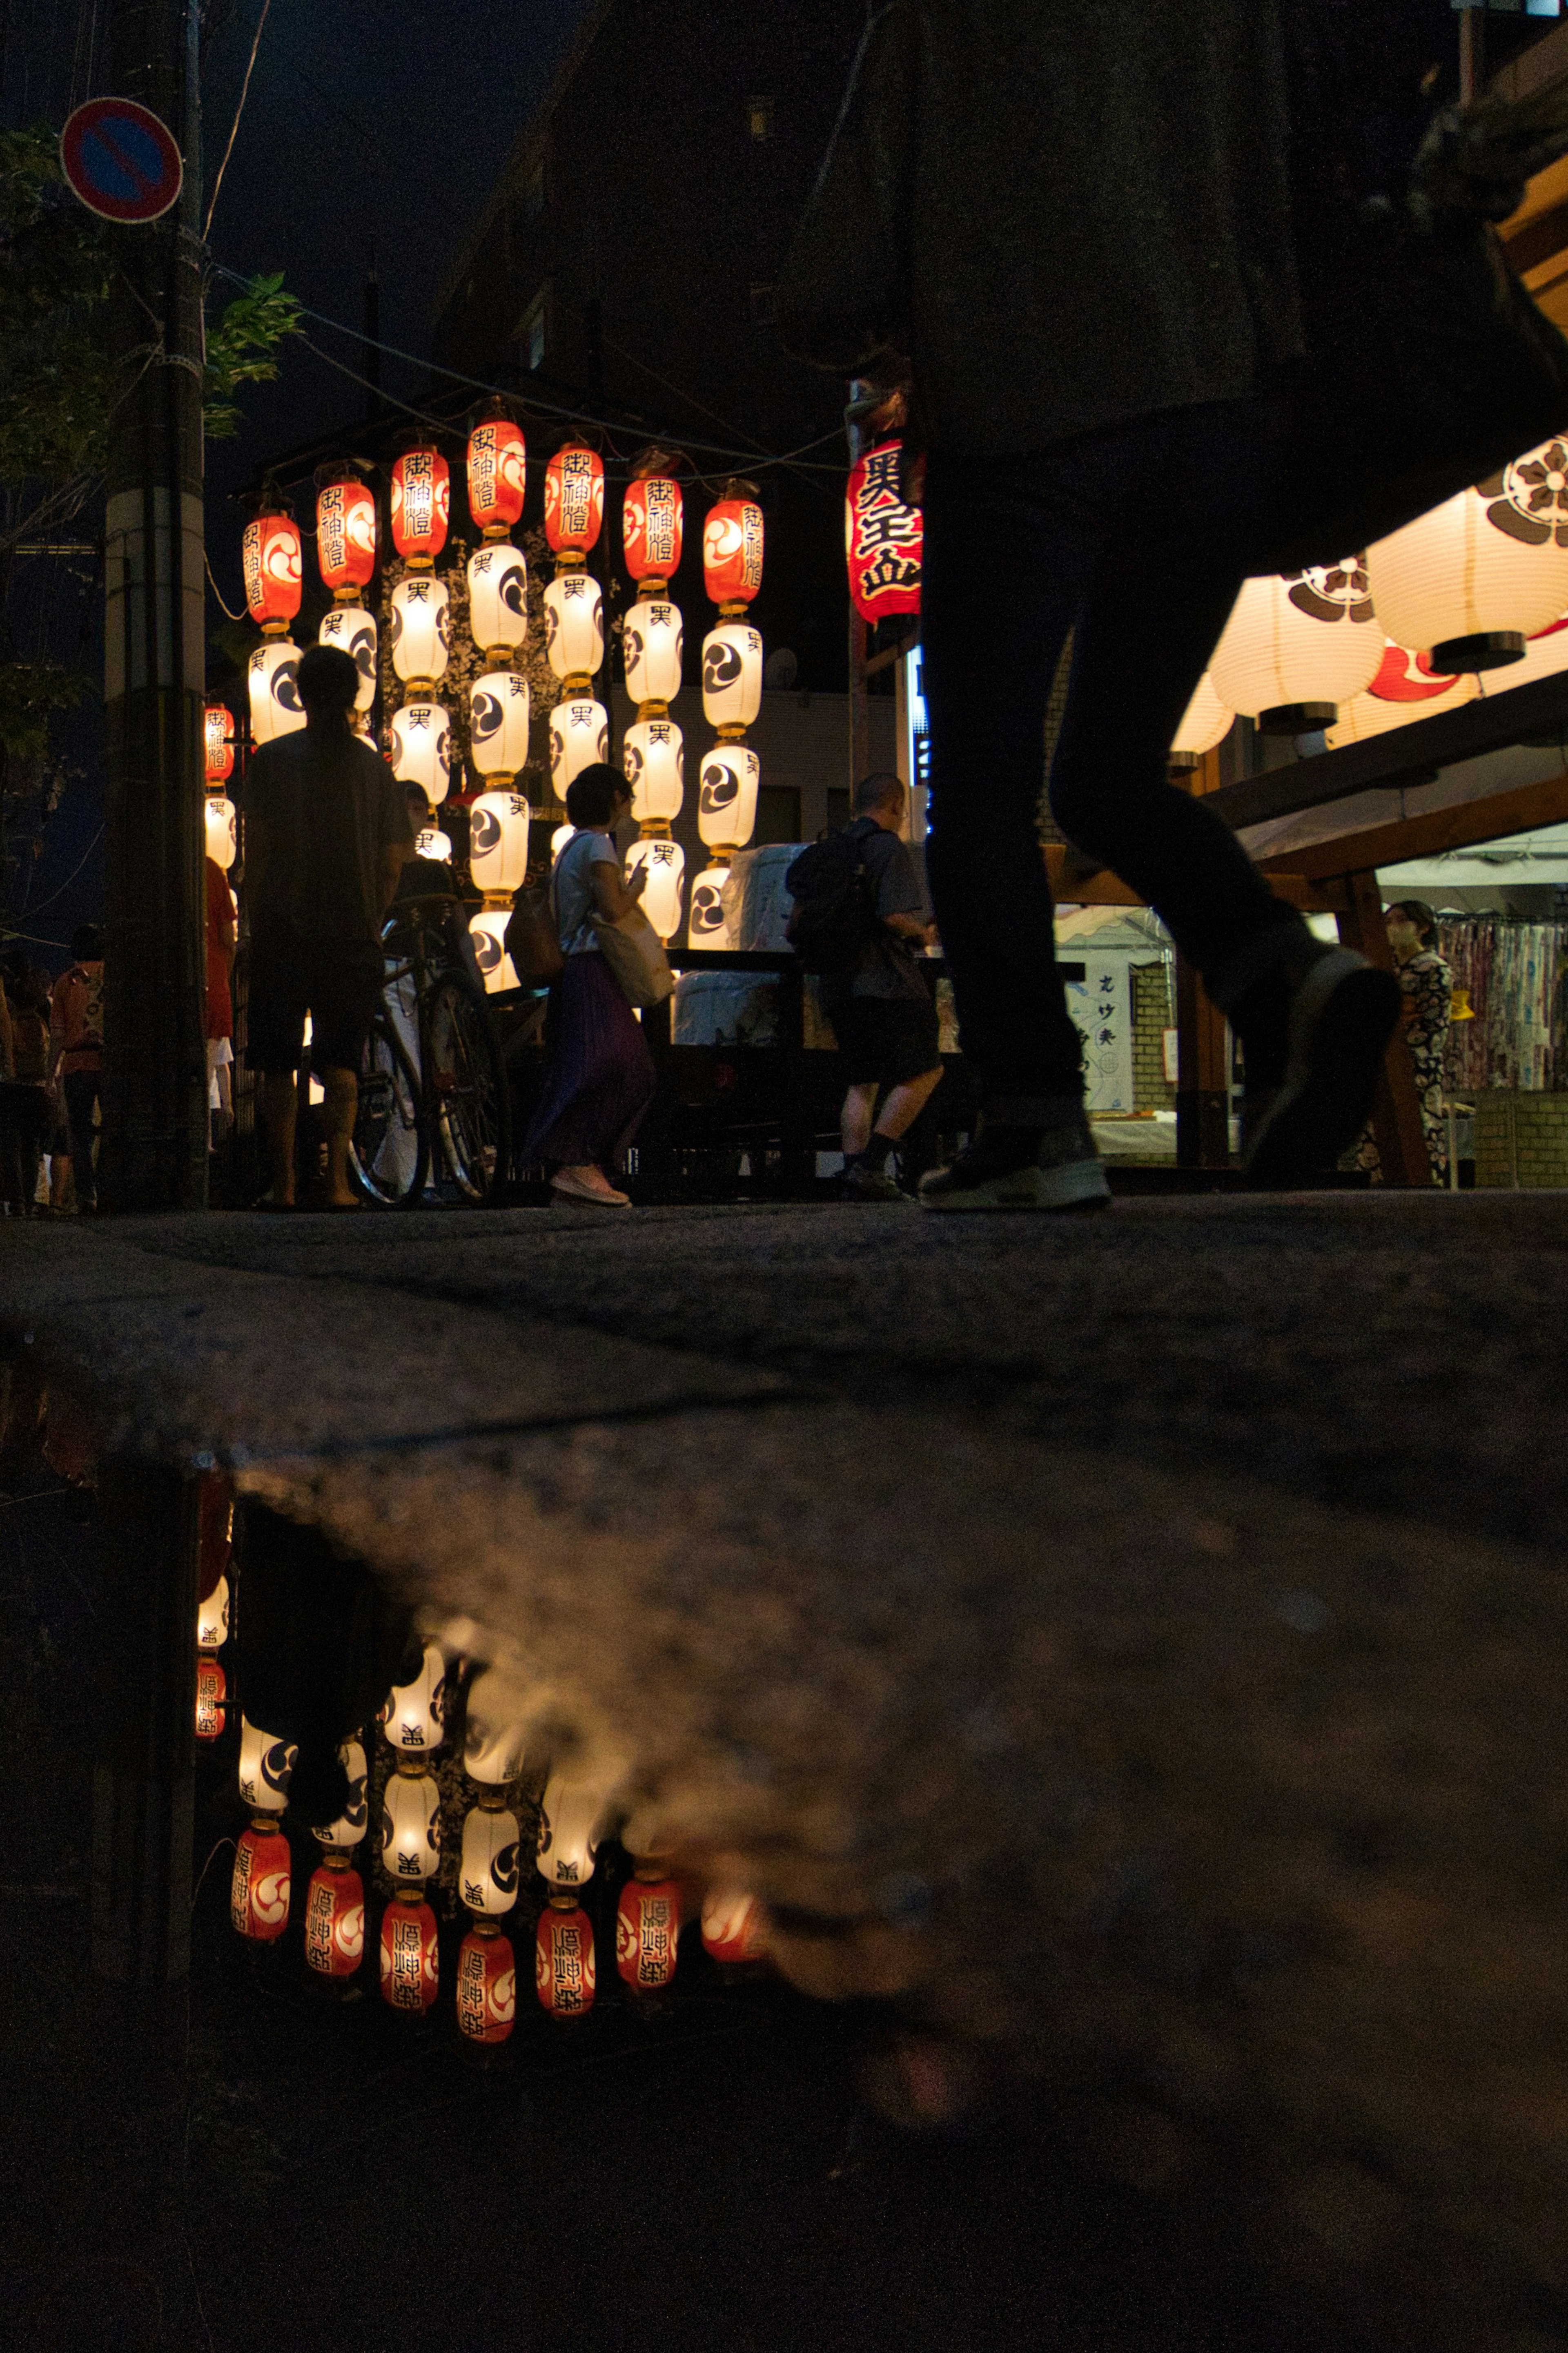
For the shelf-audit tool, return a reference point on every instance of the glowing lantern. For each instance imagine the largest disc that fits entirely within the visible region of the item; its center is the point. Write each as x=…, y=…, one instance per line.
x=573, y=500
x=732, y=674
x=222, y=846
x=487, y=1874
x=273, y=677
x=486, y=929
x=212, y=1691
x=655, y=765
x=211, y=1617
x=563, y=1957
x=574, y=626
x=258, y=1891
x=579, y=736
x=1473, y=578
x=415, y=1712
x=421, y=627
x=1406, y=687
x=650, y=529
x=662, y=893
x=732, y=1925
x=422, y=748
x=651, y=639
x=433, y=844
x=411, y=1826
x=497, y=600
x=1545, y=654
x=708, y=926
x=499, y=716
x=498, y=843
x=497, y=475
x=349, y=1827
x=334, y=1918
x=345, y=538
x=1205, y=721
x=732, y=552
x=727, y=797
x=882, y=537
x=558, y=839
x=352, y=630
x=647, y=1925
x=270, y=557
x=1294, y=648
x=495, y=1737
x=486, y=1984
x=219, y=733
x=568, y=1830
x=421, y=503
x=410, y=1954
x=265, y=1764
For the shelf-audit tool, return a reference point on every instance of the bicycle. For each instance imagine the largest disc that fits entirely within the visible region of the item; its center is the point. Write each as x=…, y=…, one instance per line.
x=432, y=1093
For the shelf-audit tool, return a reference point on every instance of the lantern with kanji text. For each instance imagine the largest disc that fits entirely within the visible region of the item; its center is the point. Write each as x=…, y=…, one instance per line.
x=269, y=554
x=727, y=796
x=349, y=1827
x=421, y=629
x=487, y=1871
x=497, y=601
x=334, y=1918
x=497, y=475
x=732, y=676
x=882, y=537
x=212, y=1691
x=414, y=1715
x=259, y=1891
x=569, y=1817
x=664, y=863
x=564, y=1971
x=574, y=629
x=422, y=748
x=499, y=714
x=579, y=736
x=409, y=1953
x=222, y=842
x=273, y=679
x=648, y=1926
x=421, y=505
x=352, y=630
x=573, y=500
x=486, y=1984
x=651, y=641
x=486, y=929
x=265, y=1763
x=655, y=766
x=651, y=529
x=410, y=1825
x=345, y=537
x=498, y=844
x=218, y=729
x=732, y=551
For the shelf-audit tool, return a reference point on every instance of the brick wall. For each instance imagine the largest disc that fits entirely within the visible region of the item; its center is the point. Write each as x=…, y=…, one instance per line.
x=1152, y=1015
x=1521, y=1139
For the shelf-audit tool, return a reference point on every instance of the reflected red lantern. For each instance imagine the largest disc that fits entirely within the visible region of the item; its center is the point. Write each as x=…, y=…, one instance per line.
x=882, y=537
x=732, y=1925
x=258, y=1891
x=345, y=538
x=212, y=1690
x=650, y=527
x=486, y=1986
x=574, y=499
x=563, y=1959
x=334, y=1918
x=497, y=475
x=408, y=1954
x=421, y=504
x=270, y=556
x=219, y=735
x=732, y=551
x=648, y=1924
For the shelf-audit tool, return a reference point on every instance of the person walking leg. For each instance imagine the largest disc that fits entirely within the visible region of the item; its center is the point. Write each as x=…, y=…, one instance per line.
x=80, y=1089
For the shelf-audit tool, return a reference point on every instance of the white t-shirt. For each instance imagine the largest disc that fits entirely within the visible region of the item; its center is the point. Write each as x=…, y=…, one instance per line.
x=572, y=891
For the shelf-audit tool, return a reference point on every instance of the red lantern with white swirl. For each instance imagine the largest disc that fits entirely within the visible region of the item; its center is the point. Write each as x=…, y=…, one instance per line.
x=421, y=505
x=497, y=476
x=334, y=1918
x=563, y=1957
x=345, y=538
x=882, y=537
x=219, y=733
x=573, y=500
x=647, y=1925
x=732, y=553
x=486, y=1984
x=270, y=554
x=410, y=1967
x=212, y=1690
x=258, y=1891
x=732, y=1925
x=651, y=529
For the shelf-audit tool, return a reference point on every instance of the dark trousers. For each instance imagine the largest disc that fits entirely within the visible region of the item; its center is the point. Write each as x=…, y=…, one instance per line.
x=80, y=1090
x=1137, y=538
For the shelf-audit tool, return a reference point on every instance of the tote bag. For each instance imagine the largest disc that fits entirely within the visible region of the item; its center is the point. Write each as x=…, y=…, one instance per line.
x=635, y=954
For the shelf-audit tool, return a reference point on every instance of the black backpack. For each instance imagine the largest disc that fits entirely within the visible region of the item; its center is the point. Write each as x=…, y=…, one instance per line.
x=833, y=917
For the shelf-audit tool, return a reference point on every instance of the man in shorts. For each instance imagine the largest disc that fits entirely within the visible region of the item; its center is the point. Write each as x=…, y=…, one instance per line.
x=326, y=838
x=881, y=1009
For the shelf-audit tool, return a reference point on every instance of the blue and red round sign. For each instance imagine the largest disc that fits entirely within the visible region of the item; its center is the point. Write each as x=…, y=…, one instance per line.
x=121, y=160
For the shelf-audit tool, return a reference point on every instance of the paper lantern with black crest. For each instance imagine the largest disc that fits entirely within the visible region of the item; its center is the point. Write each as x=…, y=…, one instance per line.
x=651, y=641
x=579, y=736
x=574, y=625
x=421, y=627
x=422, y=748
x=499, y=715
x=498, y=842
x=352, y=630
x=727, y=796
x=732, y=551
x=732, y=674
x=273, y=678
x=654, y=761
x=498, y=598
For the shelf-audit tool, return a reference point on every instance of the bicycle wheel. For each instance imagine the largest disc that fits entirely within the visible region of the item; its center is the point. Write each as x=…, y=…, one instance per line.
x=389, y=1152
x=468, y=1087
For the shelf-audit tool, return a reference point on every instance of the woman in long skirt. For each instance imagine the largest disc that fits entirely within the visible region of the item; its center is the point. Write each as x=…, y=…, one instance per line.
x=600, y=1079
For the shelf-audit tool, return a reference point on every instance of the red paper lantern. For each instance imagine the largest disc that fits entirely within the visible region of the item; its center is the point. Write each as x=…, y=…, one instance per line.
x=732, y=1927
x=497, y=475
x=345, y=537
x=270, y=554
x=563, y=1959
x=486, y=1987
x=334, y=1919
x=408, y=1954
x=220, y=732
x=421, y=503
x=648, y=1924
x=574, y=499
x=650, y=527
x=732, y=551
x=258, y=1892
x=212, y=1690
x=882, y=537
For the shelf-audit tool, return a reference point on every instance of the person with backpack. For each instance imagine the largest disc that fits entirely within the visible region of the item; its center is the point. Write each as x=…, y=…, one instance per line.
x=860, y=911
x=76, y=1037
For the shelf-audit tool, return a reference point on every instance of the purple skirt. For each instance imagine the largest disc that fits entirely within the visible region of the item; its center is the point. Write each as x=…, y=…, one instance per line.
x=602, y=1077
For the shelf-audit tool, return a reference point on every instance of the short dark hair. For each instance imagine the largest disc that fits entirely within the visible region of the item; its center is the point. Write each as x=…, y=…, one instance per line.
x=420, y=812
x=592, y=795
x=880, y=789
x=328, y=678
x=87, y=944
x=1420, y=914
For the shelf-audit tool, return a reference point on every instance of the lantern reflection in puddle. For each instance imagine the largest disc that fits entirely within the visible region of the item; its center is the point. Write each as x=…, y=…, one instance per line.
x=258, y=1891
x=732, y=1925
x=563, y=1972
x=334, y=1918
x=410, y=1825
x=648, y=1926
x=414, y=1715
x=486, y=1984
x=265, y=1764
x=409, y=1959
x=212, y=1691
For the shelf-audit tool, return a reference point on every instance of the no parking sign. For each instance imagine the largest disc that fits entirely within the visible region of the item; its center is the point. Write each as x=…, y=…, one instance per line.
x=121, y=160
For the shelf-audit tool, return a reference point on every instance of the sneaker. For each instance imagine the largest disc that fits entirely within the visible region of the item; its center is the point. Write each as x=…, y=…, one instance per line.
x=1058, y=1168
x=870, y=1185
x=588, y=1185
x=1342, y=1013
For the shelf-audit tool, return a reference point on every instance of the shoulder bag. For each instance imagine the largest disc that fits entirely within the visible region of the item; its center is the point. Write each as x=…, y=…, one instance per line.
x=635, y=954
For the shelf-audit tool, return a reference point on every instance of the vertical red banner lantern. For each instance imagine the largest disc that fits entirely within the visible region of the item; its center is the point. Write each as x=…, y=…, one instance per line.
x=651, y=520
x=421, y=505
x=270, y=554
x=345, y=538
x=732, y=553
x=574, y=499
x=882, y=537
x=497, y=476
x=218, y=729
x=212, y=1691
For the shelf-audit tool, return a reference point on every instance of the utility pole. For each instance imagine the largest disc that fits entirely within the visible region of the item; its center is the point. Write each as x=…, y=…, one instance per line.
x=153, y=1149
x=859, y=745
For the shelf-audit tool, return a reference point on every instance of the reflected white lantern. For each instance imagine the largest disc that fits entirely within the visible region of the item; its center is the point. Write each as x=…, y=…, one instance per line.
x=665, y=863
x=352, y=630
x=495, y=1738
x=353, y=1821
x=1205, y=721
x=573, y=625
x=732, y=674
x=498, y=711
x=651, y=641
x=422, y=748
x=486, y=929
x=579, y=736
x=411, y=1827
x=435, y=844
x=558, y=839
x=265, y=1764
x=1493, y=561
x=488, y=1873
x=211, y=1617
x=727, y=796
x=1295, y=648
x=569, y=1817
x=220, y=838
x=273, y=677
x=1404, y=690
x=498, y=597
x=707, y=927
x=421, y=627
x=655, y=765
x=414, y=1713
x=498, y=842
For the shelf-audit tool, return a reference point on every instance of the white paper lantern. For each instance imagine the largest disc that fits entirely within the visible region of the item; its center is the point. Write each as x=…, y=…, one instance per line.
x=707, y=927
x=498, y=842
x=1545, y=654
x=211, y=1617
x=569, y=1817
x=1493, y=560
x=558, y=839
x=422, y=748
x=499, y=712
x=487, y=1877
x=727, y=796
x=221, y=846
x=352, y=630
x=1205, y=721
x=274, y=681
x=411, y=1827
x=573, y=625
x=421, y=627
x=579, y=736
x=665, y=862
x=265, y=1764
x=651, y=641
x=353, y=1821
x=413, y=1714
x=496, y=1735
x=498, y=598
x=433, y=844
x=732, y=674
x=1309, y=638
x=486, y=929
x=655, y=765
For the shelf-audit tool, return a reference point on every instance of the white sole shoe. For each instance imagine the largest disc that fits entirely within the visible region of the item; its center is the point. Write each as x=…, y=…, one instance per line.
x=564, y=1190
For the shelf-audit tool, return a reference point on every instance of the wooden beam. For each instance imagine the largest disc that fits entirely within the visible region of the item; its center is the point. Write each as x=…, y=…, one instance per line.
x=1428, y=836
x=1084, y=885
x=1396, y=1127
